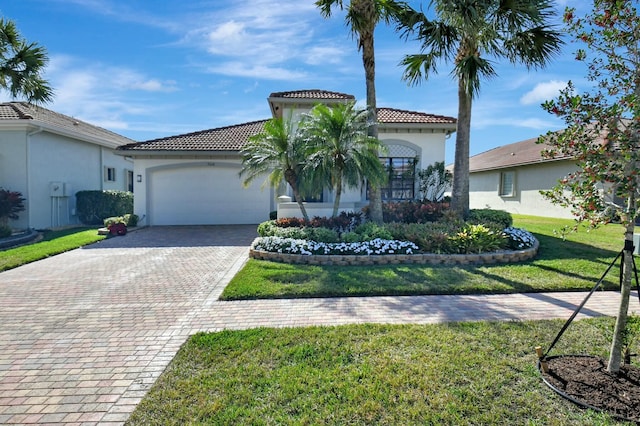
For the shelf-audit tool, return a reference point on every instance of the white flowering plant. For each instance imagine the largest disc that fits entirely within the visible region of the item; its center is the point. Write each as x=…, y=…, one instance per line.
x=306, y=247
x=519, y=239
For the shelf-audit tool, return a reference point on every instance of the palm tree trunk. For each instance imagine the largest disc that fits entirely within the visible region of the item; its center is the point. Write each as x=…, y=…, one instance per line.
x=336, y=202
x=367, y=8
x=460, y=190
x=296, y=194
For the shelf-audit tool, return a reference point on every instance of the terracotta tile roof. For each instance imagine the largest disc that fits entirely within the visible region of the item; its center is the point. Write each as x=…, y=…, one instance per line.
x=516, y=154
x=38, y=115
x=392, y=115
x=312, y=94
x=229, y=138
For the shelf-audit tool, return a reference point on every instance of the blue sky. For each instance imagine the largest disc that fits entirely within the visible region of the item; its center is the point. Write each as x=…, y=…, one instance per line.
x=149, y=69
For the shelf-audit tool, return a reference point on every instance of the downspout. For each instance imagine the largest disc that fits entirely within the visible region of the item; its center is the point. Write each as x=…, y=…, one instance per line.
x=28, y=171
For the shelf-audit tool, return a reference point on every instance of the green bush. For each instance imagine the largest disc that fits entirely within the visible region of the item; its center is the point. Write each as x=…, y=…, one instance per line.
x=128, y=220
x=5, y=230
x=370, y=231
x=502, y=218
x=94, y=206
x=11, y=203
x=477, y=239
x=429, y=237
x=321, y=235
x=267, y=229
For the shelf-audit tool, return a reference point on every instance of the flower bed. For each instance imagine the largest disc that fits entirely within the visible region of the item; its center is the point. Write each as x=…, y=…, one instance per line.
x=381, y=252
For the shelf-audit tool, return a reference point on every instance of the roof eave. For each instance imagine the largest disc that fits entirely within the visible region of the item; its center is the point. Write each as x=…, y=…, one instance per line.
x=174, y=152
x=444, y=127
x=511, y=166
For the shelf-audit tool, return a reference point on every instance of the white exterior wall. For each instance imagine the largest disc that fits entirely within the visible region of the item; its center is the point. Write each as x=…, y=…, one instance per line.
x=31, y=162
x=527, y=200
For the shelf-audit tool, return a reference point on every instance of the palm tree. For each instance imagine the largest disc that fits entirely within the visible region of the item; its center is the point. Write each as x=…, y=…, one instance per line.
x=279, y=153
x=21, y=65
x=362, y=17
x=342, y=152
x=466, y=33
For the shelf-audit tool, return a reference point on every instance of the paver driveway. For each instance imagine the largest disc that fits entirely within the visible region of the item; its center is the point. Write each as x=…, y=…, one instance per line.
x=83, y=335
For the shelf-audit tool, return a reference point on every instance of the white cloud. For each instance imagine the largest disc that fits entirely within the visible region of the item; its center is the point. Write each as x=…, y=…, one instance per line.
x=543, y=92
x=240, y=69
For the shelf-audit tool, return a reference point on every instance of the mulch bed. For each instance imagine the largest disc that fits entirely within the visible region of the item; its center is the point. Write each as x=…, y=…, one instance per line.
x=585, y=380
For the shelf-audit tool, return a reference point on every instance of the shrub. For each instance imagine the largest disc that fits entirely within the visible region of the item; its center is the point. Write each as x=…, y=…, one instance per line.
x=273, y=214
x=370, y=231
x=267, y=229
x=411, y=211
x=487, y=216
x=94, y=206
x=322, y=235
x=5, y=231
x=477, y=239
x=429, y=237
x=11, y=203
x=127, y=220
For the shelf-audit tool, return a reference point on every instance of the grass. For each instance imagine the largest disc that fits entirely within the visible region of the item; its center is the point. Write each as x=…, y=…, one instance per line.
x=446, y=374
x=52, y=243
x=573, y=263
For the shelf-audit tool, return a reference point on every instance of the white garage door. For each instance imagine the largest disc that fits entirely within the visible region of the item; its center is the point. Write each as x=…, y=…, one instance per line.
x=205, y=195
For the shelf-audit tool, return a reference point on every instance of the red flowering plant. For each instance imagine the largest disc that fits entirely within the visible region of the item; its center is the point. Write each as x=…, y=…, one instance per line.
x=603, y=132
x=11, y=203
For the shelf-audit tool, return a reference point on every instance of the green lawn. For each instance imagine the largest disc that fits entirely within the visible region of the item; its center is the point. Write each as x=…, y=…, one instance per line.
x=574, y=263
x=449, y=374
x=53, y=242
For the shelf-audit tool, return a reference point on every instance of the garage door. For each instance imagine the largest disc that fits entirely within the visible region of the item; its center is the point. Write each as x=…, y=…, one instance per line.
x=205, y=195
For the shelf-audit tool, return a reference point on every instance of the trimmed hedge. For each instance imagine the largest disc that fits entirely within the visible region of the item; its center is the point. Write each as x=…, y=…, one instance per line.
x=95, y=206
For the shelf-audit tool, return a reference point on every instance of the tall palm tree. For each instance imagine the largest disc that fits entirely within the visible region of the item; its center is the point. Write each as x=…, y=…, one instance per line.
x=279, y=153
x=362, y=18
x=342, y=152
x=467, y=33
x=21, y=65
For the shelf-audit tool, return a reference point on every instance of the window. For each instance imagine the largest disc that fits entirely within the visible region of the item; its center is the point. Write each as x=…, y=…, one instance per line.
x=129, y=174
x=110, y=174
x=401, y=178
x=507, y=184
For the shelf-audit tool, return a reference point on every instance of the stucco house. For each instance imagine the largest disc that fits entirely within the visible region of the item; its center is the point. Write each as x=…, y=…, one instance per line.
x=511, y=177
x=48, y=157
x=194, y=178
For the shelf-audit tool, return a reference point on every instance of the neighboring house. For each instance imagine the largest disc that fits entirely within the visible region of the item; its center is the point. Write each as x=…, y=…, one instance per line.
x=511, y=177
x=48, y=157
x=194, y=178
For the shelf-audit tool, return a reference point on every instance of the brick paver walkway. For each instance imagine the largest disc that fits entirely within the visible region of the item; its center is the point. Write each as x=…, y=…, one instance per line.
x=83, y=335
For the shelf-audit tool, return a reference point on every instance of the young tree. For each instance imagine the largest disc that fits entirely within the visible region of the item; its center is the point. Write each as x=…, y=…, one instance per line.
x=21, y=65
x=603, y=133
x=342, y=152
x=434, y=181
x=362, y=18
x=467, y=33
x=279, y=153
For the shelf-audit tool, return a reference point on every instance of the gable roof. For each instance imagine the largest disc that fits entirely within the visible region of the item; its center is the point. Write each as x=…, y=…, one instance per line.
x=23, y=113
x=521, y=153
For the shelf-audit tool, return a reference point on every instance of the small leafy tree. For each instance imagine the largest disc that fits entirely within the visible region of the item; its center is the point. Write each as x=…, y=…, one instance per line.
x=433, y=182
x=603, y=133
x=11, y=203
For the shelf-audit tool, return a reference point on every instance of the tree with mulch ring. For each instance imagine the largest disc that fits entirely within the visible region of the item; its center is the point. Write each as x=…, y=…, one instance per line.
x=603, y=137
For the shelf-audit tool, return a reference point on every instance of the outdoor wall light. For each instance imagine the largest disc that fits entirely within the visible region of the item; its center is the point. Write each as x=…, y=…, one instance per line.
x=139, y=178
